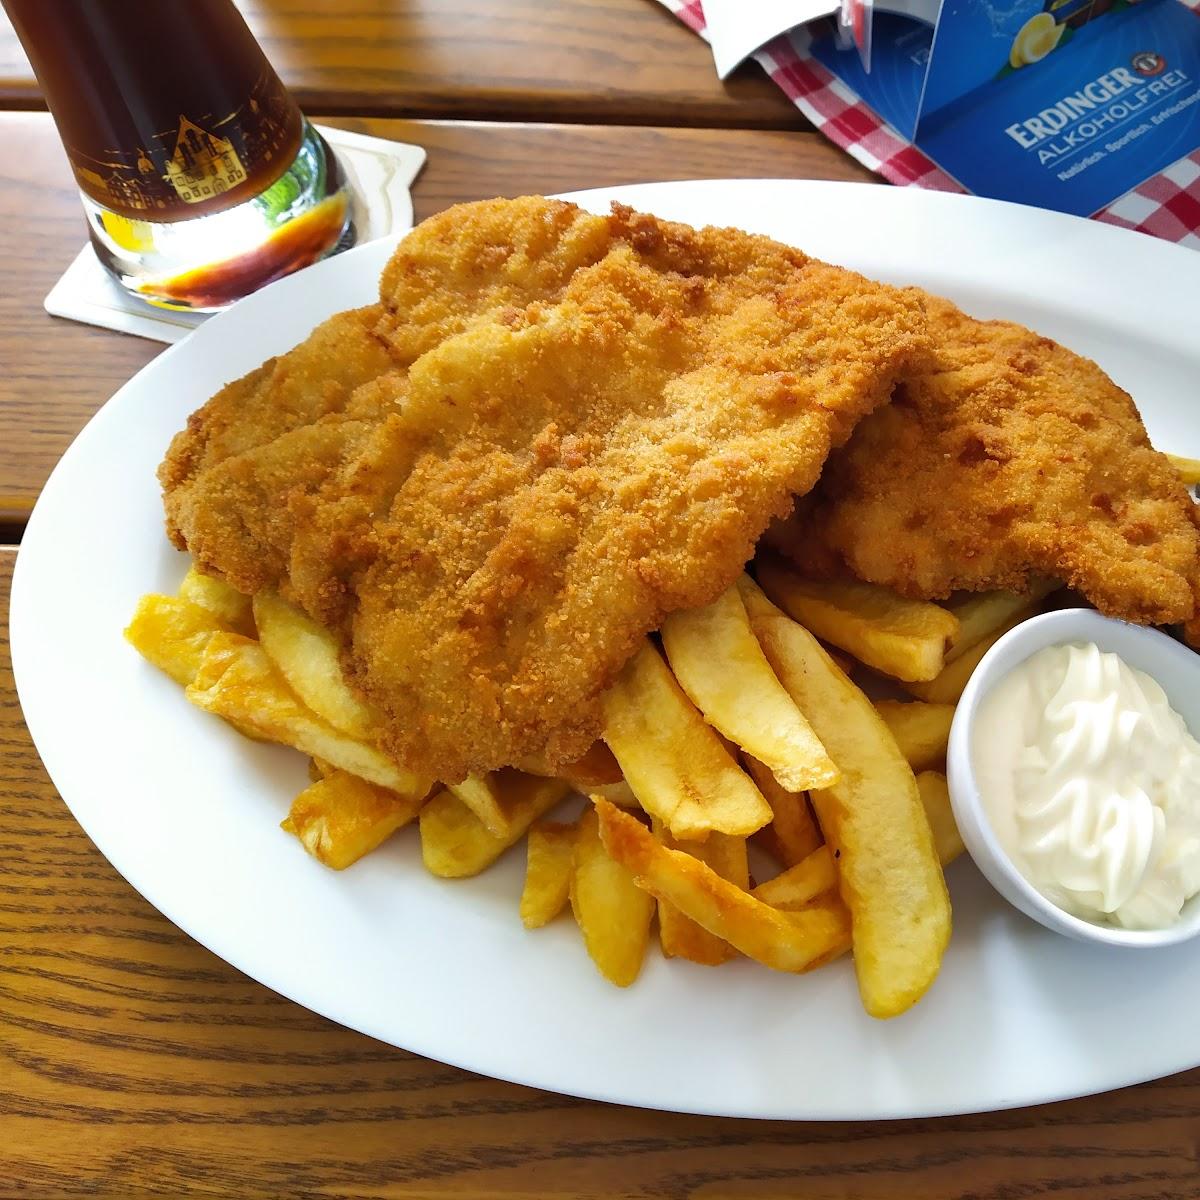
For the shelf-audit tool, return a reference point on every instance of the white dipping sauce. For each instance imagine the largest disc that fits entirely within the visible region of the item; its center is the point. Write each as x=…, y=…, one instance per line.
x=1091, y=781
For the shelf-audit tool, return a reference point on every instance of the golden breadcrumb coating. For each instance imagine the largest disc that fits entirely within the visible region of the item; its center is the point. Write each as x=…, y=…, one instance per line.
x=1012, y=458
x=565, y=427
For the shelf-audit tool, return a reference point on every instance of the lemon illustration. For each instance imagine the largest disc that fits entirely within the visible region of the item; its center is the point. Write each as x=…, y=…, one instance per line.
x=1038, y=36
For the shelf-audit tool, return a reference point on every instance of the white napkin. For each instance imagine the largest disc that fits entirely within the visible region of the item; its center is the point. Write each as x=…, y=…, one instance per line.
x=380, y=175
x=736, y=28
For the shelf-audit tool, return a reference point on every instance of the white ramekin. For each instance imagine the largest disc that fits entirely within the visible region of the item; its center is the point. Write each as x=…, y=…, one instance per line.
x=1177, y=670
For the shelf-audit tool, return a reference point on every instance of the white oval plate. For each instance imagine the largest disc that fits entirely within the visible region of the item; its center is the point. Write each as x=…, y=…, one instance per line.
x=188, y=811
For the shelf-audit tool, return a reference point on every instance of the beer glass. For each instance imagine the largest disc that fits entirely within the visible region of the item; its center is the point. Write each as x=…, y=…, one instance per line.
x=200, y=178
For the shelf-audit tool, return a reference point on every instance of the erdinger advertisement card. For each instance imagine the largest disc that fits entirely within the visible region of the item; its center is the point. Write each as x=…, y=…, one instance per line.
x=1065, y=104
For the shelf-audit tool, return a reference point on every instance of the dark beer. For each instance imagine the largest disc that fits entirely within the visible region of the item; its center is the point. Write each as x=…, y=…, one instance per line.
x=169, y=112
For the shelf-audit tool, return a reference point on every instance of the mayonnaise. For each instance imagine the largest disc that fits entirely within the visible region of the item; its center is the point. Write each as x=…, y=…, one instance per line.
x=1092, y=784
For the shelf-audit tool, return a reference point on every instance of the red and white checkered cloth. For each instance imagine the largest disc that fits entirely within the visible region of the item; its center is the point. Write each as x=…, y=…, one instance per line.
x=1167, y=205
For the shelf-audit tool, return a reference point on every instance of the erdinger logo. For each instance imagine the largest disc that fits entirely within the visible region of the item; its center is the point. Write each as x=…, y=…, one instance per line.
x=1147, y=62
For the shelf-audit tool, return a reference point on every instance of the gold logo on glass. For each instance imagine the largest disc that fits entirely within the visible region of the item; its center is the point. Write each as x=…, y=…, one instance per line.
x=203, y=164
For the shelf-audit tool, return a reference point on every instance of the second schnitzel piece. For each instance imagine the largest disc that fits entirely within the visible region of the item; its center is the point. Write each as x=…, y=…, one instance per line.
x=493, y=531
x=1014, y=457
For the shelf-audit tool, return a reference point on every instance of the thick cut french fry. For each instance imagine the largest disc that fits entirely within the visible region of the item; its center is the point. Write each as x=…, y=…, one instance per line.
x=1188, y=468
x=982, y=614
x=620, y=794
x=172, y=634
x=793, y=833
x=341, y=817
x=872, y=819
x=903, y=638
x=800, y=884
x=597, y=768
x=309, y=658
x=782, y=940
x=675, y=763
x=455, y=843
x=238, y=681
x=481, y=795
x=935, y=796
x=947, y=686
x=550, y=850
x=613, y=913
x=679, y=935
x=720, y=665
x=817, y=874
x=921, y=730
x=219, y=598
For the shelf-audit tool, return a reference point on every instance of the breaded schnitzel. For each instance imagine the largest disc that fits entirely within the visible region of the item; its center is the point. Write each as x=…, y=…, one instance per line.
x=1012, y=457
x=580, y=425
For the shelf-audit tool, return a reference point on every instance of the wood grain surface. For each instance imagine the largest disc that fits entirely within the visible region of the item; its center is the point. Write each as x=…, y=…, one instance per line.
x=606, y=61
x=57, y=373
x=135, y=1063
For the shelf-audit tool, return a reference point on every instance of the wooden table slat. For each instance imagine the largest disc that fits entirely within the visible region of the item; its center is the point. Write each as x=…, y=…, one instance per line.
x=133, y=1063
x=603, y=61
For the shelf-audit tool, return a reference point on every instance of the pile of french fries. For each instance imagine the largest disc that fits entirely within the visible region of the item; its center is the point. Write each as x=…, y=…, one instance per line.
x=737, y=728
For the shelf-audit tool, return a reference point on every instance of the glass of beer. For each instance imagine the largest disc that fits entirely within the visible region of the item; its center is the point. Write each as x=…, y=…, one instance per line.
x=200, y=178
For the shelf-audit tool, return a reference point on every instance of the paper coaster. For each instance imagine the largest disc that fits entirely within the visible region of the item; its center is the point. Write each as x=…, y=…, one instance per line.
x=380, y=174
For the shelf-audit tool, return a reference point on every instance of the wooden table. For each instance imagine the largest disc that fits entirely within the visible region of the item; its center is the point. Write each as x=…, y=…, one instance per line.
x=133, y=1062
x=604, y=61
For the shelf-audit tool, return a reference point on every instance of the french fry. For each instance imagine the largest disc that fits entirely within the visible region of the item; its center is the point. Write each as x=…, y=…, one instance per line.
x=318, y=768
x=481, y=795
x=620, y=794
x=597, y=768
x=921, y=730
x=454, y=841
x=784, y=941
x=172, y=634
x=219, y=598
x=675, y=763
x=613, y=913
x=1188, y=468
x=238, y=681
x=817, y=874
x=340, y=818
x=935, y=797
x=679, y=935
x=793, y=834
x=982, y=614
x=802, y=883
x=947, y=686
x=720, y=665
x=309, y=658
x=872, y=819
x=550, y=851
x=903, y=638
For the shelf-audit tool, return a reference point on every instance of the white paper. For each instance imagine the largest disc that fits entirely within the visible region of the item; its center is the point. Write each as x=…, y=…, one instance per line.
x=380, y=173
x=919, y=10
x=736, y=28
